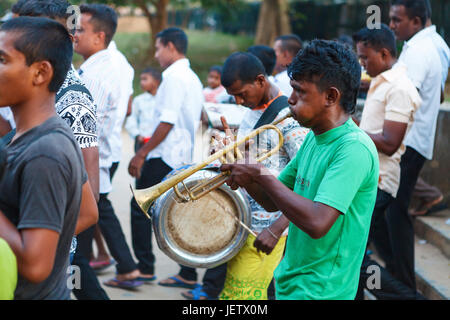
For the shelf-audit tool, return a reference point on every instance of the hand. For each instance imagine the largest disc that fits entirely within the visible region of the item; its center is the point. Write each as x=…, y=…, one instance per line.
x=135, y=166
x=140, y=139
x=265, y=242
x=242, y=175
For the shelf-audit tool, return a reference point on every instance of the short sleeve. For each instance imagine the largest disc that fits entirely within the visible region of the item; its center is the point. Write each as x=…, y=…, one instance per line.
x=399, y=106
x=348, y=170
x=43, y=194
x=289, y=174
x=171, y=100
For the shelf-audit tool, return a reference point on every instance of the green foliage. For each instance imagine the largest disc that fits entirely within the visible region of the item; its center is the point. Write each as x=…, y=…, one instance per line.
x=205, y=50
x=5, y=5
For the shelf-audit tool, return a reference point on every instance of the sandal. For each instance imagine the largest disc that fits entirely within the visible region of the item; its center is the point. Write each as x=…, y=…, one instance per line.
x=178, y=283
x=196, y=294
x=123, y=284
x=101, y=265
x=428, y=207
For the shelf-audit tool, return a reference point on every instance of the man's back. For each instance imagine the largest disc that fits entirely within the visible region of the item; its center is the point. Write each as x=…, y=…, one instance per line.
x=42, y=189
x=420, y=55
x=179, y=101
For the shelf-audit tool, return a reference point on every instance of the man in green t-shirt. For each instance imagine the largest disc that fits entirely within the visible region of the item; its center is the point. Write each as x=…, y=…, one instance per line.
x=328, y=190
x=8, y=271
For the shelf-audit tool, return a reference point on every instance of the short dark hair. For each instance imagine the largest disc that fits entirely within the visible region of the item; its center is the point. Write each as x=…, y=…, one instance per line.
x=104, y=18
x=53, y=9
x=176, y=36
x=42, y=39
x=216, y=68
x=414, y=8
x=267, y=56
x=291, y=43
x=377, y=39
x=17, y=6
x=241, y=66
x=153, y=72
x=329, y=64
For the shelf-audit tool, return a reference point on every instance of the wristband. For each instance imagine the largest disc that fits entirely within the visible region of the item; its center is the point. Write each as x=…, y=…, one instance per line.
x=273, y=235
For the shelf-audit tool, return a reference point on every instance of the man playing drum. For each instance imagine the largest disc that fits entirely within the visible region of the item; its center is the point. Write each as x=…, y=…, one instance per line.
x=328, y=190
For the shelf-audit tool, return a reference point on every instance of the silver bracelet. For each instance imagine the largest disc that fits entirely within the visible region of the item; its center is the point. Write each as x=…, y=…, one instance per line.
x=273, y=235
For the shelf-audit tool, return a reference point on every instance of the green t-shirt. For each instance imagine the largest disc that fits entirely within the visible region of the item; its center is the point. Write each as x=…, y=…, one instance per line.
x=8, y=271
x=338, y=168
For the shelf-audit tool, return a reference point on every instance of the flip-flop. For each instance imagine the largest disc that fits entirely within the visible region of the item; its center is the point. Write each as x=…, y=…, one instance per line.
x=428, y=207
x=178, y=284
x=146, y=280
x=123, y=284
x=101, y=264
x=196, y=294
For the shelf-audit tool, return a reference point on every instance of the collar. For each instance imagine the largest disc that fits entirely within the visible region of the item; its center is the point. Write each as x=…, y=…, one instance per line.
x=390, y=75
x=94, y=59
x=177, y=65
x=333, y=134
x=415, y=39
x=112, y=45
x=266, y=105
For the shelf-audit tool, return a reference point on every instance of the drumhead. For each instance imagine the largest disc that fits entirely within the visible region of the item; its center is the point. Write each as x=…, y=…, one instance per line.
x=204, y=226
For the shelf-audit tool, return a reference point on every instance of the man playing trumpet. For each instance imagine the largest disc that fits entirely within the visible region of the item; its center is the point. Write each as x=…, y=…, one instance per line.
x=328, y=190
x=244, y=77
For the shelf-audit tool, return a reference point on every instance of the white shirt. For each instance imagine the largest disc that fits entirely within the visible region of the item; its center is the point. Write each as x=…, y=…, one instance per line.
x=126, y=90
x=179, y=101
x=420, y=57
x=442, y=49
x=141, y=121
x=100, y=73
x=7, y=114
x=283, y=82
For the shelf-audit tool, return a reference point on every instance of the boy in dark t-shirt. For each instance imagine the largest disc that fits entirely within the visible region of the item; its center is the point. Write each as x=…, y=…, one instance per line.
x=45, y=183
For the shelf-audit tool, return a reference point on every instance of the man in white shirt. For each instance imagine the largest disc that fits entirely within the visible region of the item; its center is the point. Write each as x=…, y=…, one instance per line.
x=179, y=102
x=407, y=20
x=286, y=48
x=124, y=107
x=430, y=196
x=101, y=75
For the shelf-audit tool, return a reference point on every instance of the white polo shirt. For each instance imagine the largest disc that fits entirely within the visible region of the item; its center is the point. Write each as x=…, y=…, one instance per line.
x=101, y=73
x=126, y=90
x=421, y=58
x=179, y=101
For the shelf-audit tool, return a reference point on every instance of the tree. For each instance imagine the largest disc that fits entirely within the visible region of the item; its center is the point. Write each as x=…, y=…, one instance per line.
x=273, y=21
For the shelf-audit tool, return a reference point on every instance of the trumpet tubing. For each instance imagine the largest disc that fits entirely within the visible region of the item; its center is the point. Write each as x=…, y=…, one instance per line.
x=145, y=197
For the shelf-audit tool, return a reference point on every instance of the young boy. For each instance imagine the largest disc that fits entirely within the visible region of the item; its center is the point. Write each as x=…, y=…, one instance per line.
x=45, y=183
x=328, y=190
x=141, y=122
x=388, y=113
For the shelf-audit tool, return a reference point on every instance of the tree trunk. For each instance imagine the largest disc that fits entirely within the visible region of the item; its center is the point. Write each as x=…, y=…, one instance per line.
x=273, y=21
x=157, y=22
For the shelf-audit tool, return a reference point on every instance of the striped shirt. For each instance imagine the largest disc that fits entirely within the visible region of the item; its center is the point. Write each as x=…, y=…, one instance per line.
x=101, y=75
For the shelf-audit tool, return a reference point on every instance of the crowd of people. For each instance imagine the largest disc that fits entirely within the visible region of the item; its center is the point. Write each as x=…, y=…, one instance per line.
x=338, y=188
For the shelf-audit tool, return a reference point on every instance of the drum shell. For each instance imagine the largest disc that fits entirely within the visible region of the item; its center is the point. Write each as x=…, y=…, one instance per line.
x=160, y=212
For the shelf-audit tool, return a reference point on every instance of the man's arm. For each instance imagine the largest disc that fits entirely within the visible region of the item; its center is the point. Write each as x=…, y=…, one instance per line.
x=88, y=210
x=91, y=161
x=130, y=105
x=136, y=163
x=391, y=138
x=35, y=249
x=314, y=218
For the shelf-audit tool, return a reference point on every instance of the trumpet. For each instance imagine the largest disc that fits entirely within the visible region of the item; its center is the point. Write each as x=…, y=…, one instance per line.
x=145, y=197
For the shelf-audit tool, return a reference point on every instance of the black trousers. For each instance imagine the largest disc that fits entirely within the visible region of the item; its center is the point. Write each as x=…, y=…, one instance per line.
x=153, y=171
x=114, y=236
x=399, y=256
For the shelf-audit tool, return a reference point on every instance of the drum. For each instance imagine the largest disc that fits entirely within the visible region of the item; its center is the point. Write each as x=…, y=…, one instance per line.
x=201, y=233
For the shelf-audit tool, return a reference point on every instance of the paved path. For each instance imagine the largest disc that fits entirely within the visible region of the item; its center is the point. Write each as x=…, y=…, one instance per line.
x=165, y=267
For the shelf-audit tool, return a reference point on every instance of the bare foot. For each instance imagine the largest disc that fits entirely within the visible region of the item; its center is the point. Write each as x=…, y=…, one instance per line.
x=128, y=276
x=170, y=282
